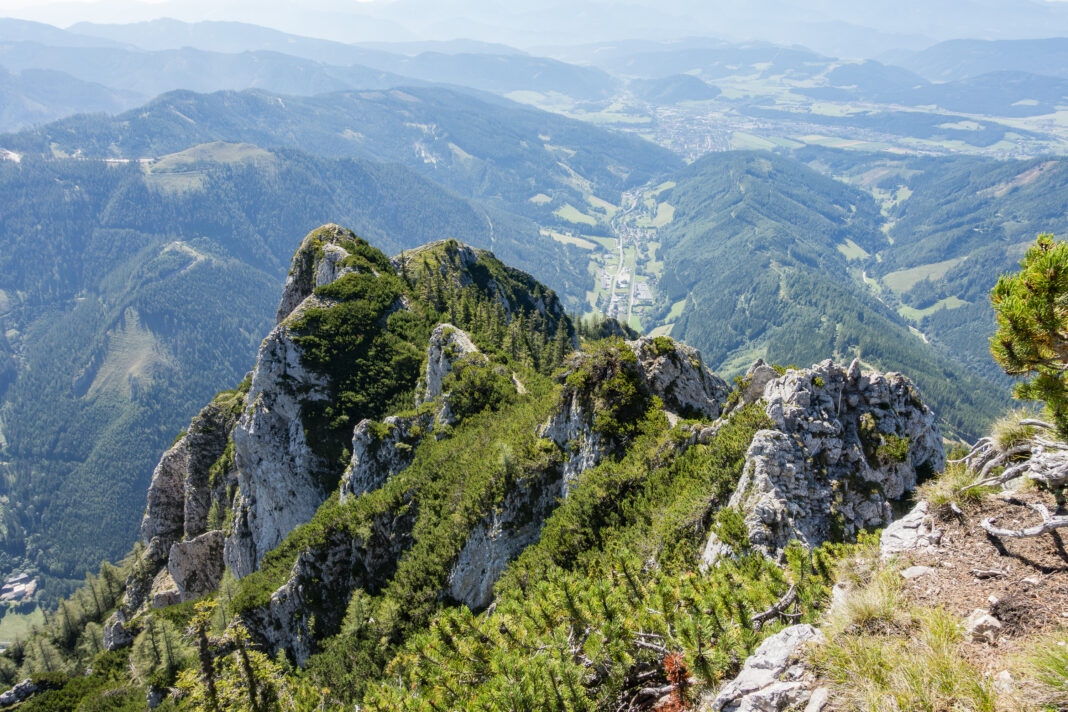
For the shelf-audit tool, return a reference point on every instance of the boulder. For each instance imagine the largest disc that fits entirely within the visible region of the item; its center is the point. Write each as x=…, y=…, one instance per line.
x=116, y=635
x=196, y=565
x=915, y=531
x=772, y=679
x=982, y=627
x=19, y=693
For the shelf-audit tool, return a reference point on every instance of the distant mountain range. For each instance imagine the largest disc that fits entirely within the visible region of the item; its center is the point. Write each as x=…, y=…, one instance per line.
x=966, y=58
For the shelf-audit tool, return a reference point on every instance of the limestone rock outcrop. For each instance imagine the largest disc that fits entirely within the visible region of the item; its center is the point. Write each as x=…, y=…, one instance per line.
x=916, y=531
x=772, y=679
x=277, y=469
x=676, y=373
x=381, y=450
x=196, y=565
x=662, y=367
x=447, y=345
x=845, y=445
x=183, y=491
x=316, y=263
x=321, y=581
x=512, y=526
x=19, y=693
x=279, y=474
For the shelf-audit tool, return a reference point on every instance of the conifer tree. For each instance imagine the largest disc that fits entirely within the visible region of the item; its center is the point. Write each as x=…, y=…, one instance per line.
x=1031, y=307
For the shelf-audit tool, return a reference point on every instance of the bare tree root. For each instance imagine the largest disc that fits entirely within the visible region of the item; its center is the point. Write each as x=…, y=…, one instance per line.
x=1049, y=523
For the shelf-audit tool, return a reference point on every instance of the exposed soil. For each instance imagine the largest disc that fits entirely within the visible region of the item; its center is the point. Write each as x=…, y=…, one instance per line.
x=1021, y=582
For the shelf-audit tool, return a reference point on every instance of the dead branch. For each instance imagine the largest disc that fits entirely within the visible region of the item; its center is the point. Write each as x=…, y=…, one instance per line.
x=659, y=649
x=1049, y=523
x=1003, y=458
x=777, y=609
x=987, y=573
x=981, y=445
x=1009, y=474
x=1037, y=423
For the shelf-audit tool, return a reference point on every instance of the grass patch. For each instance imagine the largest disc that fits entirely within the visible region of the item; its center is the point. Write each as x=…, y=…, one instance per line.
x=662, y=330
x=882, y=655
x=603, y=205
x=676, y=310
x=1007, y=431
x=913, y=314
x=945, y=489
x=573, y=215
x=921, y=669
x=1047, y=667
x=903, y=280
x=17, y=626
x=540, y=199
x=571, y=240
x=853, y=251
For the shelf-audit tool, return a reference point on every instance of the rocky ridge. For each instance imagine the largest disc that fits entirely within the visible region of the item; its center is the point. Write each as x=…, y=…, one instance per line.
x=846, y=445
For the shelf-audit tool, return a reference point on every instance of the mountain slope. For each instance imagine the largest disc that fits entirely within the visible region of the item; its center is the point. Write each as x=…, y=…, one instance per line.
x=509, y=157
x=166, y=284
x=37, y=96
x=148, y=74
x=963, y=58
x=758, y=250
x=519, y=524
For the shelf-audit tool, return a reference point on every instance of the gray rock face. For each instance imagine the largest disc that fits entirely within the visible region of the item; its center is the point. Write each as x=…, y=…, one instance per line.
x=571, y=428
x=772, y=679
x=19, y=693
x=377, y=456
x=915, y=531
x=196, y=565
x=164, y=518
x=115, y=633
x=447, y=345
x=673, y=372
x=677, y=374
x=844, y=446
x=316, y=263
x=513, y=525
x=756, y=379
x=321, y=582
x=278, y=472
x=164, y=591
x=180, y=495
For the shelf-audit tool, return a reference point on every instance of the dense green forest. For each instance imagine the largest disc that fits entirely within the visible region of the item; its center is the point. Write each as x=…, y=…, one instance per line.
x=754, y=249
x=956, y=224
x=485, y=147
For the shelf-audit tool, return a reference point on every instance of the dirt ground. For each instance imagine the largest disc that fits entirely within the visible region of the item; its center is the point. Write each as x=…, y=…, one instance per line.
x=1021, y=582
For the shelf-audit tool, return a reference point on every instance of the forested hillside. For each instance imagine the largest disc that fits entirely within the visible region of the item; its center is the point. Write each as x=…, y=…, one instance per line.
x=955, y=225
x=759, y=249
x=528, y=162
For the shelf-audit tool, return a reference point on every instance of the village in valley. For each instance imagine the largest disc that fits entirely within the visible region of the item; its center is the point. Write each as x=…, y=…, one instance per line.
x=624, y=263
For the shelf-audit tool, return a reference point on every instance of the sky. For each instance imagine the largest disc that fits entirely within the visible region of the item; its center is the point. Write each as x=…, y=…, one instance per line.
x=842, y=27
